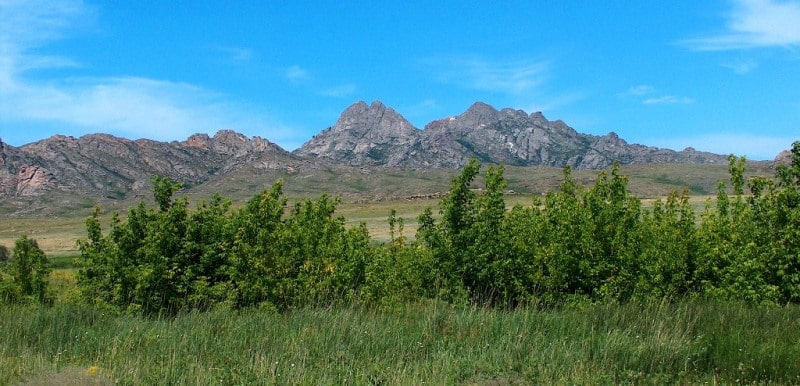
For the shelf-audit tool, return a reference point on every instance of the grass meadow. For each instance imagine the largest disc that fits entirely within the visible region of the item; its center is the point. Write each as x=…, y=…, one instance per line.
x=684, y=342
x=690, y=341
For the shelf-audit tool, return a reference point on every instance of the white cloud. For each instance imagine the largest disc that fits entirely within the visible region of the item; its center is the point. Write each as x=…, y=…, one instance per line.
x=511, y=77
x=668, y=100
x=301, y=76
x=755, y=23
x=130, y=106
x=235, y=54
x=642, y=89
x=741, y=67
x=649, y=95
x=297, y=74
x=340, y=91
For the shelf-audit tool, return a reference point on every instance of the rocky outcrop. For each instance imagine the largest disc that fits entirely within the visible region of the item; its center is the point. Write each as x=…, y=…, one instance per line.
x=33, y=181
x=365, y=135
x=784, y=158
x=376, y=135
x=102, y=165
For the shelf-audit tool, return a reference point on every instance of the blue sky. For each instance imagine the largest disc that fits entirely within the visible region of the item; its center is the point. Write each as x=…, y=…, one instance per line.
x=722, y=76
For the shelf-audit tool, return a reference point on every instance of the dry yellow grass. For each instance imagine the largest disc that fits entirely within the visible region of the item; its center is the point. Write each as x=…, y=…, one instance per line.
x=70, y=376
x=58, y=236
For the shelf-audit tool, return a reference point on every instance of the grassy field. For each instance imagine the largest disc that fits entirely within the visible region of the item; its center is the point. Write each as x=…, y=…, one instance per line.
x=367, y=196
x=58, y=236
x=428, y=343
x=686, y=342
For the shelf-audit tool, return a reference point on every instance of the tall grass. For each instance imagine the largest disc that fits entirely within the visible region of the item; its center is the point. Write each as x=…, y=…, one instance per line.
x=433, y=343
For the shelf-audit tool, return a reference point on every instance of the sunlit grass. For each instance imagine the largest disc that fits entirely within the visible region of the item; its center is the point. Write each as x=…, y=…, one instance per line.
x=385, y=190
x=429, y=342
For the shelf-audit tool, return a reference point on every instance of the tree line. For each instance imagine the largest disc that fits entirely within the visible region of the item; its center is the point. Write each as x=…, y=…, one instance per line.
x=574, y=244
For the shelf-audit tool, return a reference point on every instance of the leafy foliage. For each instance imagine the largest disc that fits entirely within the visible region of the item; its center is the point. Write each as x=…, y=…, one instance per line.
x=166, y=260
x=30, y=274
x=598, y=243
x=574, y=245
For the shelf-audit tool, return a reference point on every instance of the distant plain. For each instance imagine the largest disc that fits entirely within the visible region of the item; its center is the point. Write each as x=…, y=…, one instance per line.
x=369, y=195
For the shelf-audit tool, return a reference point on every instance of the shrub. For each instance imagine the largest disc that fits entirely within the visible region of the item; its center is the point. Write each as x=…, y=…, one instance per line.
x=30, y=274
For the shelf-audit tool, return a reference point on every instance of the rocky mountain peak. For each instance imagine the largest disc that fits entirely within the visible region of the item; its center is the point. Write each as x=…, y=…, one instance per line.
x=229, y=137
x=364, y=134
x=784, y=158
x=360, y=116
x=200, y=141
x=514, y=114
x=538, y=118
x=479, y=114
x=376, y=135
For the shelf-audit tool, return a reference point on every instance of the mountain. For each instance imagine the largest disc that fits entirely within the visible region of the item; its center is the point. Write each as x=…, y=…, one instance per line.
x=373, y=135
x=784, y=158
x=376, y=135
x=61, y=172
x=102, y=165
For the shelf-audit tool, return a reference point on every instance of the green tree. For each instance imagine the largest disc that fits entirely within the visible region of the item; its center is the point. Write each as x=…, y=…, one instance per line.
x=737, y=241
x=669, y=249
x=30, y=270
x=163, y=190
x=449, y=240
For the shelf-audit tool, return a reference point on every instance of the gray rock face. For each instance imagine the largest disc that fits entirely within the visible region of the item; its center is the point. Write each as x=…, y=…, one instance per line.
x=107, y=166
x=377, y=136
x=365, y=136
x=373, y=135
x=784, y=158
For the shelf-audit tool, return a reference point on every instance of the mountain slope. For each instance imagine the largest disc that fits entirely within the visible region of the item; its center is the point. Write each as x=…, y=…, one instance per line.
x=376, y=135
x=102, y=165
x=63, y=172
x=373, y=135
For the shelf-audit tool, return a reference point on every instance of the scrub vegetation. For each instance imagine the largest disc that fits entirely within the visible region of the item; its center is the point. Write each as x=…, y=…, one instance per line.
x=584, y=284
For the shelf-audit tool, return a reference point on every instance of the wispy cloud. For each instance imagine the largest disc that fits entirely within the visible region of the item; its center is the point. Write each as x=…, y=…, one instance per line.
x=752, y=24
x=511, y=77
x=127, y=105
x=297, y=74
x=649, y=95
x=640, y=90
x=235, y=54
x=303, y=77
x=339, y=91
x=741, y=67
x=668, y=100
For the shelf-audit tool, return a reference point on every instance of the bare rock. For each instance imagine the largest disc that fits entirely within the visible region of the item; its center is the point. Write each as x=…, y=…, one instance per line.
x=376, y=135
x=365, y=135
x=33, y=181
x=784, y=158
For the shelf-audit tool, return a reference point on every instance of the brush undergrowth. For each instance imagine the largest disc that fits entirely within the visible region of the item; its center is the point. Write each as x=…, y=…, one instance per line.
x=429, y=342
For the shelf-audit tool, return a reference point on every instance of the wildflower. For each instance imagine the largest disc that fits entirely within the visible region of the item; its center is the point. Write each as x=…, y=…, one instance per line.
x=92, y=371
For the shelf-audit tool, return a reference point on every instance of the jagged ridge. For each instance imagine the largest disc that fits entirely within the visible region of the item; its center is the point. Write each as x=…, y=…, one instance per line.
x=376, y=135
x=365, y=136
x=109, y=166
